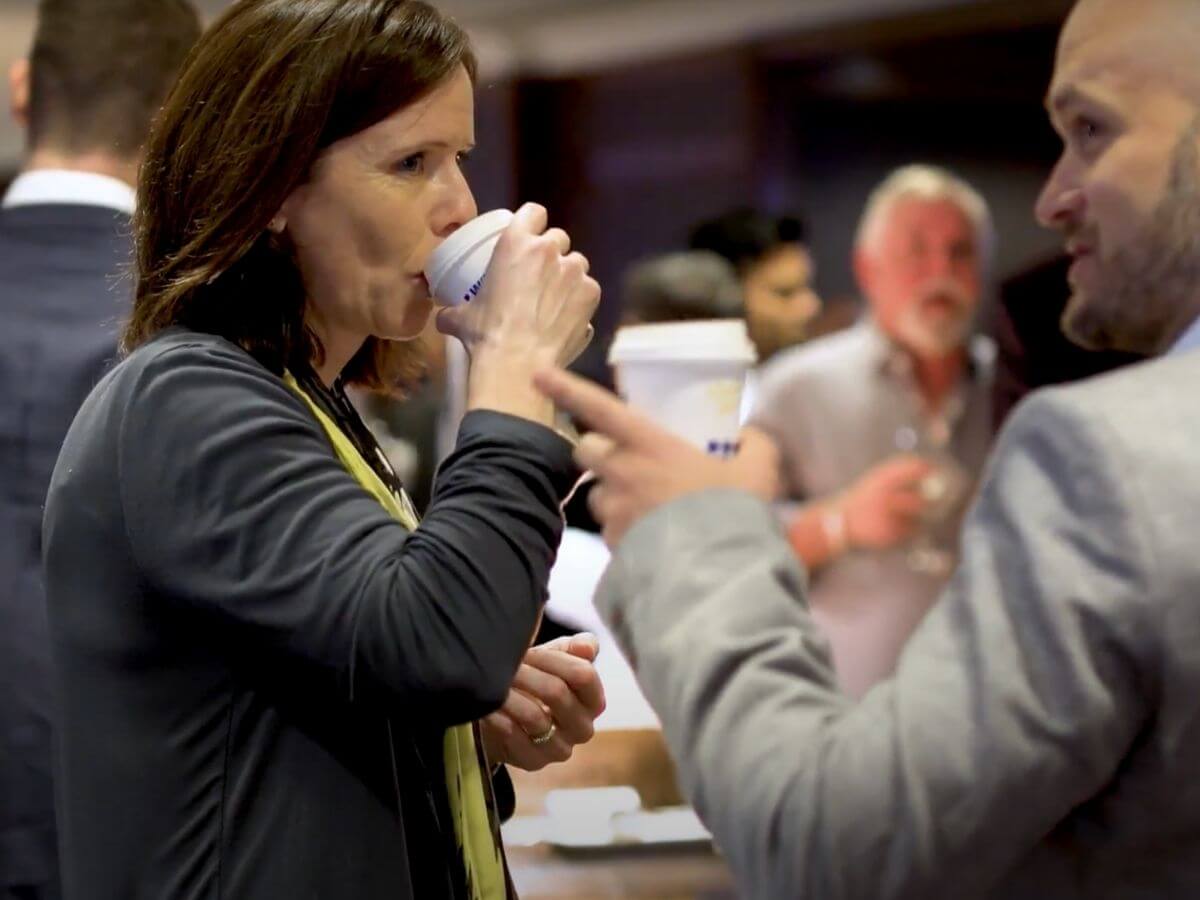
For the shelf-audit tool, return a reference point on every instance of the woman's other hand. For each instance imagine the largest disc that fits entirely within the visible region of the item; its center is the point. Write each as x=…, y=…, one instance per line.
x=556, y=692
x=534, y=311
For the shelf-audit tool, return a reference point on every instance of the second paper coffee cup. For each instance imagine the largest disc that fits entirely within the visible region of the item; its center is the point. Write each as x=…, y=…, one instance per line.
x=688, y=377
x=457, y=267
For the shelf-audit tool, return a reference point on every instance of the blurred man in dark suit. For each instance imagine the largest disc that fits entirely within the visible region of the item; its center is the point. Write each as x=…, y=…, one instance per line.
x=97, y=73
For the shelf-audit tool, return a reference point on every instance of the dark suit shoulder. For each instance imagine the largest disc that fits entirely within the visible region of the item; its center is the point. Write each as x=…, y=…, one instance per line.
x=85, y=237
x=58, y=214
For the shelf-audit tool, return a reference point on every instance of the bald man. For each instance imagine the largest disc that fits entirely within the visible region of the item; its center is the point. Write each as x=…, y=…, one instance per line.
x=1041, y=735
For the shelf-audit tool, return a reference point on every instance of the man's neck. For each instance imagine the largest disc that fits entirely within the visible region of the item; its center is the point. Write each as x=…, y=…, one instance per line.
x=94, y=163
x=938, y=376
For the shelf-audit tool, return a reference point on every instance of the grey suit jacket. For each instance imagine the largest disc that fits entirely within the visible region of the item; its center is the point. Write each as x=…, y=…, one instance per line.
x=1041, y=736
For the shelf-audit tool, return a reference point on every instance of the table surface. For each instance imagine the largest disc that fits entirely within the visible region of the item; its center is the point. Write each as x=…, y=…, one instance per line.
x=542, y=872
x=638, y=758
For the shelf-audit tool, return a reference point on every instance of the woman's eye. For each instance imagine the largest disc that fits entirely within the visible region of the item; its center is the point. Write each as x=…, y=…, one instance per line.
x=411, y=165
x=463, y=157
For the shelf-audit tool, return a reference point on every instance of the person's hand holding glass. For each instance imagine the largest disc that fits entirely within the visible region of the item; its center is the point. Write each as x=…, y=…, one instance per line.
x=942, y=490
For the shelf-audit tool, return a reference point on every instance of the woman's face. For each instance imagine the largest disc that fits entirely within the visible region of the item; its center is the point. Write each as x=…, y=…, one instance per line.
x=376, y=205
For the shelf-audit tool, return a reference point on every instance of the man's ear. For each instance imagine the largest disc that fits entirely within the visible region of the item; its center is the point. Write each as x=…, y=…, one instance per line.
x=18, y=92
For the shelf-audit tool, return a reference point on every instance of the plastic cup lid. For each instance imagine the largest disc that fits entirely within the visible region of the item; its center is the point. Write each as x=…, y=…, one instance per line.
x=463, y=241
x=709, y=340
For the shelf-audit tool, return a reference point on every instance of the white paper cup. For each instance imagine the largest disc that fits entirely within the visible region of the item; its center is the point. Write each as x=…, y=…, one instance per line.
x=458, y=266
x=688, y=377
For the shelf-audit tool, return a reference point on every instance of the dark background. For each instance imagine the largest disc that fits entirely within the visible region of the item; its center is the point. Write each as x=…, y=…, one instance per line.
x=628, y=159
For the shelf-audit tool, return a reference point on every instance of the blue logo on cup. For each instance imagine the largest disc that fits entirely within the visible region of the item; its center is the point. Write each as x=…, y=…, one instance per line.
x=473, y=291
x=723, y=449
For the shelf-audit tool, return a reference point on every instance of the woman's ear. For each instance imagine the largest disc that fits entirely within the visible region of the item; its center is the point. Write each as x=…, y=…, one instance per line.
x=279, y=222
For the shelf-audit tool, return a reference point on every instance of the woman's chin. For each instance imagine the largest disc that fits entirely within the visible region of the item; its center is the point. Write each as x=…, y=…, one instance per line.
x=412, y=324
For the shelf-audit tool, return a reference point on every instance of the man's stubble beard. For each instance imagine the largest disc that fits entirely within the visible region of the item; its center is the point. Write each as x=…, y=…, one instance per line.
x=1151, y=286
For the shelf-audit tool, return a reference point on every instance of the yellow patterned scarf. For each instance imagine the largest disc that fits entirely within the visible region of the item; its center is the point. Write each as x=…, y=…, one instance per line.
x=465, y=779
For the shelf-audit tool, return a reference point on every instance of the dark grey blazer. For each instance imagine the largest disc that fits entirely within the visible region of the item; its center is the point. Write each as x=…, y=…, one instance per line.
x=62, y=302
x=256, y=661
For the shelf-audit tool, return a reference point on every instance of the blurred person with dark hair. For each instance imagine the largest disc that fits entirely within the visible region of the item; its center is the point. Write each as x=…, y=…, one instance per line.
x=274, y=681
x=884, y=428
x=95, y=77
x=1031, y=350
x=776, y=272
x=677, y=287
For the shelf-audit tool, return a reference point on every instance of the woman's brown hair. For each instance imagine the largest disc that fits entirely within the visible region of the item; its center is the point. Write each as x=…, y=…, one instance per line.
x=269, y=86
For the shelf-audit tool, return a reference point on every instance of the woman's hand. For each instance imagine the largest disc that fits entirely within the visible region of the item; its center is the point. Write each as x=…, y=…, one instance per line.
x=534, y=311
x=556, y=692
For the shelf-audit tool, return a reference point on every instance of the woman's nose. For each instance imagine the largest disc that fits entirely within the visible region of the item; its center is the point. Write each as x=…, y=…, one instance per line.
x=456, y=209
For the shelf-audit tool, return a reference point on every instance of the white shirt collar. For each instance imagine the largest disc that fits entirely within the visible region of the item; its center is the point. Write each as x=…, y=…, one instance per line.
x=67, y=187
x=1190, y=339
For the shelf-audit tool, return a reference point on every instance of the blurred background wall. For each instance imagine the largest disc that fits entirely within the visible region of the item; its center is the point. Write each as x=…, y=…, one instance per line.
x=633, y=119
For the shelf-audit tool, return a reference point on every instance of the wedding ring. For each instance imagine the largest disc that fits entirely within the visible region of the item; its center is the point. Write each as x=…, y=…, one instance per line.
x=544, y=738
